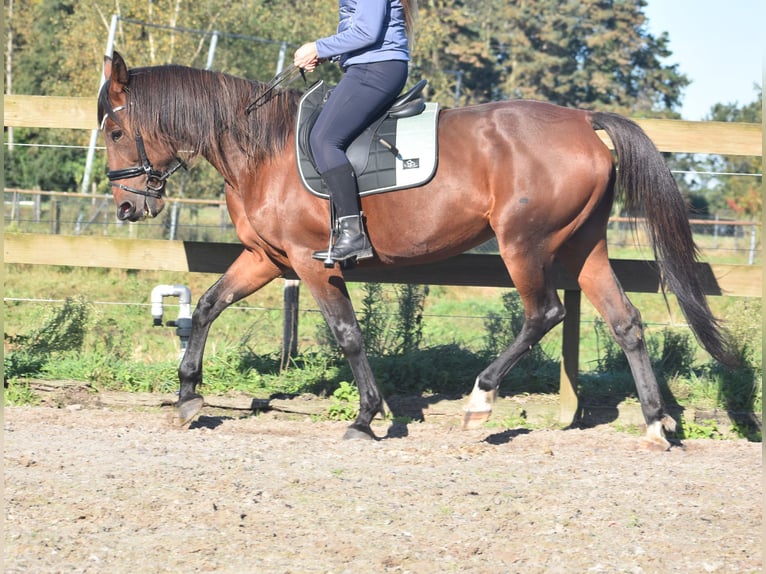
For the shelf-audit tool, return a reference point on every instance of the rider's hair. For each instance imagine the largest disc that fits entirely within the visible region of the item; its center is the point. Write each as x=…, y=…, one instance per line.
x=410, y=15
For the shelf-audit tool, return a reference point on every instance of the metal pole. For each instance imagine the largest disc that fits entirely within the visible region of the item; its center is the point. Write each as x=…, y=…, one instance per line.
x=94, y=133
x=753, y=234
x=458, y=86
x=9, y=70
x=211, y=50
x=281, y=60
x=173, y=221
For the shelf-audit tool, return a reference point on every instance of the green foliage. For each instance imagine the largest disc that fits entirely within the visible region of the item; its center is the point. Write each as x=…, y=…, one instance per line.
x=44, y=168
x=375, y=320
x=18, y=393
x=63, y=331
x=388, y=327
x=435, y=369
x=588, y=53
x=345, y=403
x=707, y=429
x=671, y=353
x=678, y=353
x=116, y=348
x=734, y=197
x=409, y=324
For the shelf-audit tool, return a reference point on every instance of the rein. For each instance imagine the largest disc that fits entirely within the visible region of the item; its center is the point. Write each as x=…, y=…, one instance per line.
x=155, y=180
x=285, y=77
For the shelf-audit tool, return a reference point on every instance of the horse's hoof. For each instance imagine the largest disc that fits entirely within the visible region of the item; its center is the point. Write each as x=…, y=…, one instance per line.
x=474, y=419
x=187, y=410
x=357, y=433
x=654, y=439
x=655, y=444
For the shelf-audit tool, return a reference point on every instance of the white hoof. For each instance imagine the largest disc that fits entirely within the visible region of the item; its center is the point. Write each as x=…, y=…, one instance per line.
x=479, y=407
x=654, y=439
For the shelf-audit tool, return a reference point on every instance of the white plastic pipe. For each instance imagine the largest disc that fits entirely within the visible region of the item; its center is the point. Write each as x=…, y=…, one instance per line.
x=183, y=323
x=184, y=299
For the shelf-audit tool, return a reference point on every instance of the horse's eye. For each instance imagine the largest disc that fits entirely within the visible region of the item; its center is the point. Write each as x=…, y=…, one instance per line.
x=116, y=135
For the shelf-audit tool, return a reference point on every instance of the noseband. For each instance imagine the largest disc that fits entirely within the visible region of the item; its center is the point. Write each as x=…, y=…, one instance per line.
x=155, y=179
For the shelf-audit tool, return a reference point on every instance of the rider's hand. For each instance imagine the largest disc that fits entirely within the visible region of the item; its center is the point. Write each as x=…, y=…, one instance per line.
x=306, y=57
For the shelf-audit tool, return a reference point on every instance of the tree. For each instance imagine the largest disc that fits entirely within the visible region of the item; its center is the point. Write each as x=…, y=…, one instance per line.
x=740, y=195
x=449, y=51
x=586, y=53
x=590, y=53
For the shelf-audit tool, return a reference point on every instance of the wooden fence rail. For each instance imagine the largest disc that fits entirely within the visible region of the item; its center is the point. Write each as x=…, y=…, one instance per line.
x=483, y=270
x=725, y=138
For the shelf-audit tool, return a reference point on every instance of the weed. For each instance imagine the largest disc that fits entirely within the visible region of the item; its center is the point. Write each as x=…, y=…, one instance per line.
x=63, y=331
x=114, y=349
x=345, y=401
x=409, y=324
x=707, y=429
x=18, y=393
x=374, y=320
x=517, y=420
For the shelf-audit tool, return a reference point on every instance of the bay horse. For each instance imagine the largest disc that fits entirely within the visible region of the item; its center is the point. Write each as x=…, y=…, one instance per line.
x=534, y=175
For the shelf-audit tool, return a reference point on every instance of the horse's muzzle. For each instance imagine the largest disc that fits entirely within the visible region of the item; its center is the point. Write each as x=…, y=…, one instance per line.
x=129, y=211
x=126, y=211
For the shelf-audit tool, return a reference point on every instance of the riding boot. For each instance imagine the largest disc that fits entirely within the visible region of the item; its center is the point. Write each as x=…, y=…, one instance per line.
x=351, y=240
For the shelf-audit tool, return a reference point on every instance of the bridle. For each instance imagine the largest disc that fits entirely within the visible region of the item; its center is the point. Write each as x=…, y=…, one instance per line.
x=155, y=179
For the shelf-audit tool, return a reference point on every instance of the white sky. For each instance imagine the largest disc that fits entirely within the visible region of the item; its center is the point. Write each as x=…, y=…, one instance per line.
x=717, y=44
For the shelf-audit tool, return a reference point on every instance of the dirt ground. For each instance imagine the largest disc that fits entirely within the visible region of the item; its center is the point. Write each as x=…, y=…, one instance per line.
x=105, y=489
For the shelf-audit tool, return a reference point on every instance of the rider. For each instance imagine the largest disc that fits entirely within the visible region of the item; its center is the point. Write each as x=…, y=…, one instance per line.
x=372, y=46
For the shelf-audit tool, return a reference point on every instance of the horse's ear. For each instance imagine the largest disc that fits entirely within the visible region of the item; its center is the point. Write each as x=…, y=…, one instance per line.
x=116, y=72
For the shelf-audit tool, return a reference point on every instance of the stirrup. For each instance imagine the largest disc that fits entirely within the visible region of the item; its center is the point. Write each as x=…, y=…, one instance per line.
x=329, y=261
x=346, y=227
x=326, y=256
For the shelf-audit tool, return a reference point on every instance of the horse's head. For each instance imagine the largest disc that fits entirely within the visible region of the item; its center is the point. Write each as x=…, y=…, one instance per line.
x=138, y=185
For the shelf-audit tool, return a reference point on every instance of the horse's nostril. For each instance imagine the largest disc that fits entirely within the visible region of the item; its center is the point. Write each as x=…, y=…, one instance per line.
x=125, y=210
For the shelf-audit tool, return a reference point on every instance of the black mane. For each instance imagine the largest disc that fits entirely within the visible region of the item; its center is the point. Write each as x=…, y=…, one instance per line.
x=189, y=109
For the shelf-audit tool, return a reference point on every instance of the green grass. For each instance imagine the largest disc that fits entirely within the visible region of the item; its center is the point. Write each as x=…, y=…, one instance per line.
x=122, y=350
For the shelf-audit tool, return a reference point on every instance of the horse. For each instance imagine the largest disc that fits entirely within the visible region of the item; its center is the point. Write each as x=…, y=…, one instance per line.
x=532, y=174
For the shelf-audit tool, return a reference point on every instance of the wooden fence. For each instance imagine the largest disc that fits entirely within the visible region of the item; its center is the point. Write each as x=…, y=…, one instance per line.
x=724, y=138
x=464, y=270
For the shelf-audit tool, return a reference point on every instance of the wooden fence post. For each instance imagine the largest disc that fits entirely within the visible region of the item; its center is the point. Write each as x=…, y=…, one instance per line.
x=290, y=295
x=570, y=359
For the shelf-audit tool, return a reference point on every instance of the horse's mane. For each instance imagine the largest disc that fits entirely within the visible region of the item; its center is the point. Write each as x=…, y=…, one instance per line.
x=189, y=109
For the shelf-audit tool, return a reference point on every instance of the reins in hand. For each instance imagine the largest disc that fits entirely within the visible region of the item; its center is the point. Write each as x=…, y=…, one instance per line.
x=285, y=77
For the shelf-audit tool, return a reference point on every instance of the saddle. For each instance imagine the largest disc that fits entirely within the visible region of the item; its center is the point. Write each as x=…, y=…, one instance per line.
x=397, y=151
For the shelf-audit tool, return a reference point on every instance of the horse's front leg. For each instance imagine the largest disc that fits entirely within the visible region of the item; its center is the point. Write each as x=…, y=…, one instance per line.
x=334, y=302
x=249, y=272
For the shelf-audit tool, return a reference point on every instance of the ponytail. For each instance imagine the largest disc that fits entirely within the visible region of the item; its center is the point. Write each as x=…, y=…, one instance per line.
x=410, y=15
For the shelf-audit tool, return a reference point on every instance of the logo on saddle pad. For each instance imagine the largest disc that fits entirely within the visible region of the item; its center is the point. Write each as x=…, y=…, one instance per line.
x=397, y=151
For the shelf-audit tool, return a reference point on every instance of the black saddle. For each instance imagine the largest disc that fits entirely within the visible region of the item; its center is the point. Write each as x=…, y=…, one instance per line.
x=372, y=154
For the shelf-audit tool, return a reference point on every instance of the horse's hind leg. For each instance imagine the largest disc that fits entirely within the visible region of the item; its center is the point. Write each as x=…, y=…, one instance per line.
x=249, y=272
x=542, y=311
x=600, y=285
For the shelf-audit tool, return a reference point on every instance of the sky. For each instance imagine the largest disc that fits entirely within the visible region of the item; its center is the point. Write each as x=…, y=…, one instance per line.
x=717, y=44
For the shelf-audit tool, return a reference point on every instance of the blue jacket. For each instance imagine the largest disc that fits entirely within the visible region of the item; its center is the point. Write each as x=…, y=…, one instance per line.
x=368, y=31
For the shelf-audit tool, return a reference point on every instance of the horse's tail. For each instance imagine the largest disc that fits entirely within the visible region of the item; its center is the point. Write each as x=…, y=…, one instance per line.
x=649, y=187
